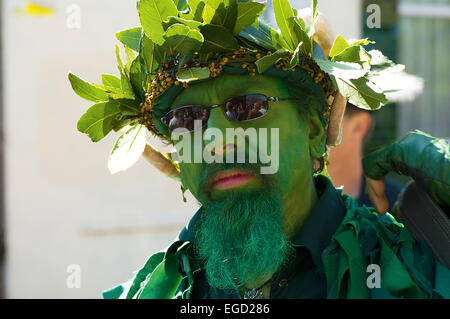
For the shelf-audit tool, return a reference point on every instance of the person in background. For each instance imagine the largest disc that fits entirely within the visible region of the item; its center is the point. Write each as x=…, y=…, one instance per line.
x=345, y=168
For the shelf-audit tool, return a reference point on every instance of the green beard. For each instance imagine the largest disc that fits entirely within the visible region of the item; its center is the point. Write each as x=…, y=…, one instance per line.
x=241, y=238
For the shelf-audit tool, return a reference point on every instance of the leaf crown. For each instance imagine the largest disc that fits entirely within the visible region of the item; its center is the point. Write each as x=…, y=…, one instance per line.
x=182, y=41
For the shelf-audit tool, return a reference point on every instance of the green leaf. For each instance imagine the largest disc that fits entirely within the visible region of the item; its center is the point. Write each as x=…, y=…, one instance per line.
x=220, y=12
x=138, y=76
x=341, y=70
x=217, y=39
x=362, y=93
x=125, y=83
x=247, y=13
x=127, y=149
x=231, y=16
x=355, y=54
x=314, y=16
x=284, y=16
x=109, y=80
x=251, y=44
x=277, y=40
x=193, y=74
x=301, y=36
x=123, y=122
x=86, y=90
x=385, y=69
x=182, y=5
x=152, y=14
x=130, y=38
x=121, y=95
x=148, y=53
x=295, y=58
x=98, y=121
x=183, y=39
x=176, y=20
x=379, y=59
x=163, y=52
x=108, y=89
x=267, y=61
x=261, y=35
x=196, y=10
x=214, y=12
x=128, y=106
x=131, y=56
x=120, y=66
x=339, y=45
x=292, y=28
x=365, y=41
x=302, y=23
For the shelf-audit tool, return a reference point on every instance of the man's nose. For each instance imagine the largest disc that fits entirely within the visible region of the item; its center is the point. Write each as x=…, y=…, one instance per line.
x=222, y=151
x=218, y=120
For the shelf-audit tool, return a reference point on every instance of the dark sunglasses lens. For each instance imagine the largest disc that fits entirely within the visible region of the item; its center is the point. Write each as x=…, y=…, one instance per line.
x=185, y=117
x=248, y=107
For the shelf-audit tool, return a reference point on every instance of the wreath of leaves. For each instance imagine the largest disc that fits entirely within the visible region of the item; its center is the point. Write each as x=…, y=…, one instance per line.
x=207, y=28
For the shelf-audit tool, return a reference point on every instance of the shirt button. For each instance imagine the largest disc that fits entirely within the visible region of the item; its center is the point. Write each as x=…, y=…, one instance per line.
x=283, y=283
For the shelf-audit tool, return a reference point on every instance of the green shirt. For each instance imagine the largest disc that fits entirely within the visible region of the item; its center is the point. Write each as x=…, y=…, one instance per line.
x=334, y=247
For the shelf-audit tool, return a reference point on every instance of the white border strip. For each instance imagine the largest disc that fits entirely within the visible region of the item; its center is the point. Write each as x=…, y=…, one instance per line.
x=424, y=10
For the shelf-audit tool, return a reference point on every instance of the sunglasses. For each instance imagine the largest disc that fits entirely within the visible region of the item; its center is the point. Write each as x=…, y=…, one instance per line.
x=237, y=109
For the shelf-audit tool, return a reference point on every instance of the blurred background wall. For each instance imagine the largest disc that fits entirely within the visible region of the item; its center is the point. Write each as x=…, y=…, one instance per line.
x=424, y=46
x=62, y=206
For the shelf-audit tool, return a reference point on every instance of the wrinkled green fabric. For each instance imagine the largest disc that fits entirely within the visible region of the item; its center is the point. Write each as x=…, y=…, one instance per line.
x=408, y=269
x=423, y=157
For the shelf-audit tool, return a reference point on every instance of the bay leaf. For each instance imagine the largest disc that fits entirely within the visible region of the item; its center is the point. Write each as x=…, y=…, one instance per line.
x=152, y=14
x=339, y=45
x=130, y=38
x=86, y=90
x=283, y=14
x=247, y=13
x=362, y=93
x=193, y=74
x=183, y=39
x=127, y=149
x=341, y=70
x=109, y=80
x=98, y=120
x=267, y=61
x=217, y=39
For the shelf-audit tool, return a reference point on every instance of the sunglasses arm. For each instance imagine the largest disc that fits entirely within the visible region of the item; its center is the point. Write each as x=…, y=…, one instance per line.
x=277, y=99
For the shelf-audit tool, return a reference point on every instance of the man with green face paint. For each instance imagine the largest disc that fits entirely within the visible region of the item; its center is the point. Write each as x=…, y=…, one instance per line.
x=241, y=208
x=290, y=233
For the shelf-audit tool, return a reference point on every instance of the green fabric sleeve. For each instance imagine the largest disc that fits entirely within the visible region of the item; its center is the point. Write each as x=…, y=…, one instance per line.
x=163, y=281
x=128, y=289
x=441, y=281
x=113, y=293
x=424, y=158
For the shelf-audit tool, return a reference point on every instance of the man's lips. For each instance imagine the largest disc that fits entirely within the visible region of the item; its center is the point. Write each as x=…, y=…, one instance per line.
x=230, y=179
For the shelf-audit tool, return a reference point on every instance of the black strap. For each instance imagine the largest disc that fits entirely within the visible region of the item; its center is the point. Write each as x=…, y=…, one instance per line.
x=426, y=221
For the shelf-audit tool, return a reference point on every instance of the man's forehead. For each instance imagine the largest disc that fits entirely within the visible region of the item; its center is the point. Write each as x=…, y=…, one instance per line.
x=216, y=91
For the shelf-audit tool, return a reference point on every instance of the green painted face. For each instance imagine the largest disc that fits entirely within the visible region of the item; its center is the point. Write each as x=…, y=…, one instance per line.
x=301, y=138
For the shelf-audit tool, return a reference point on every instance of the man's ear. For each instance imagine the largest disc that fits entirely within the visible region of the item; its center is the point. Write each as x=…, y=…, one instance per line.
x=363, y=122
x=317, y=135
